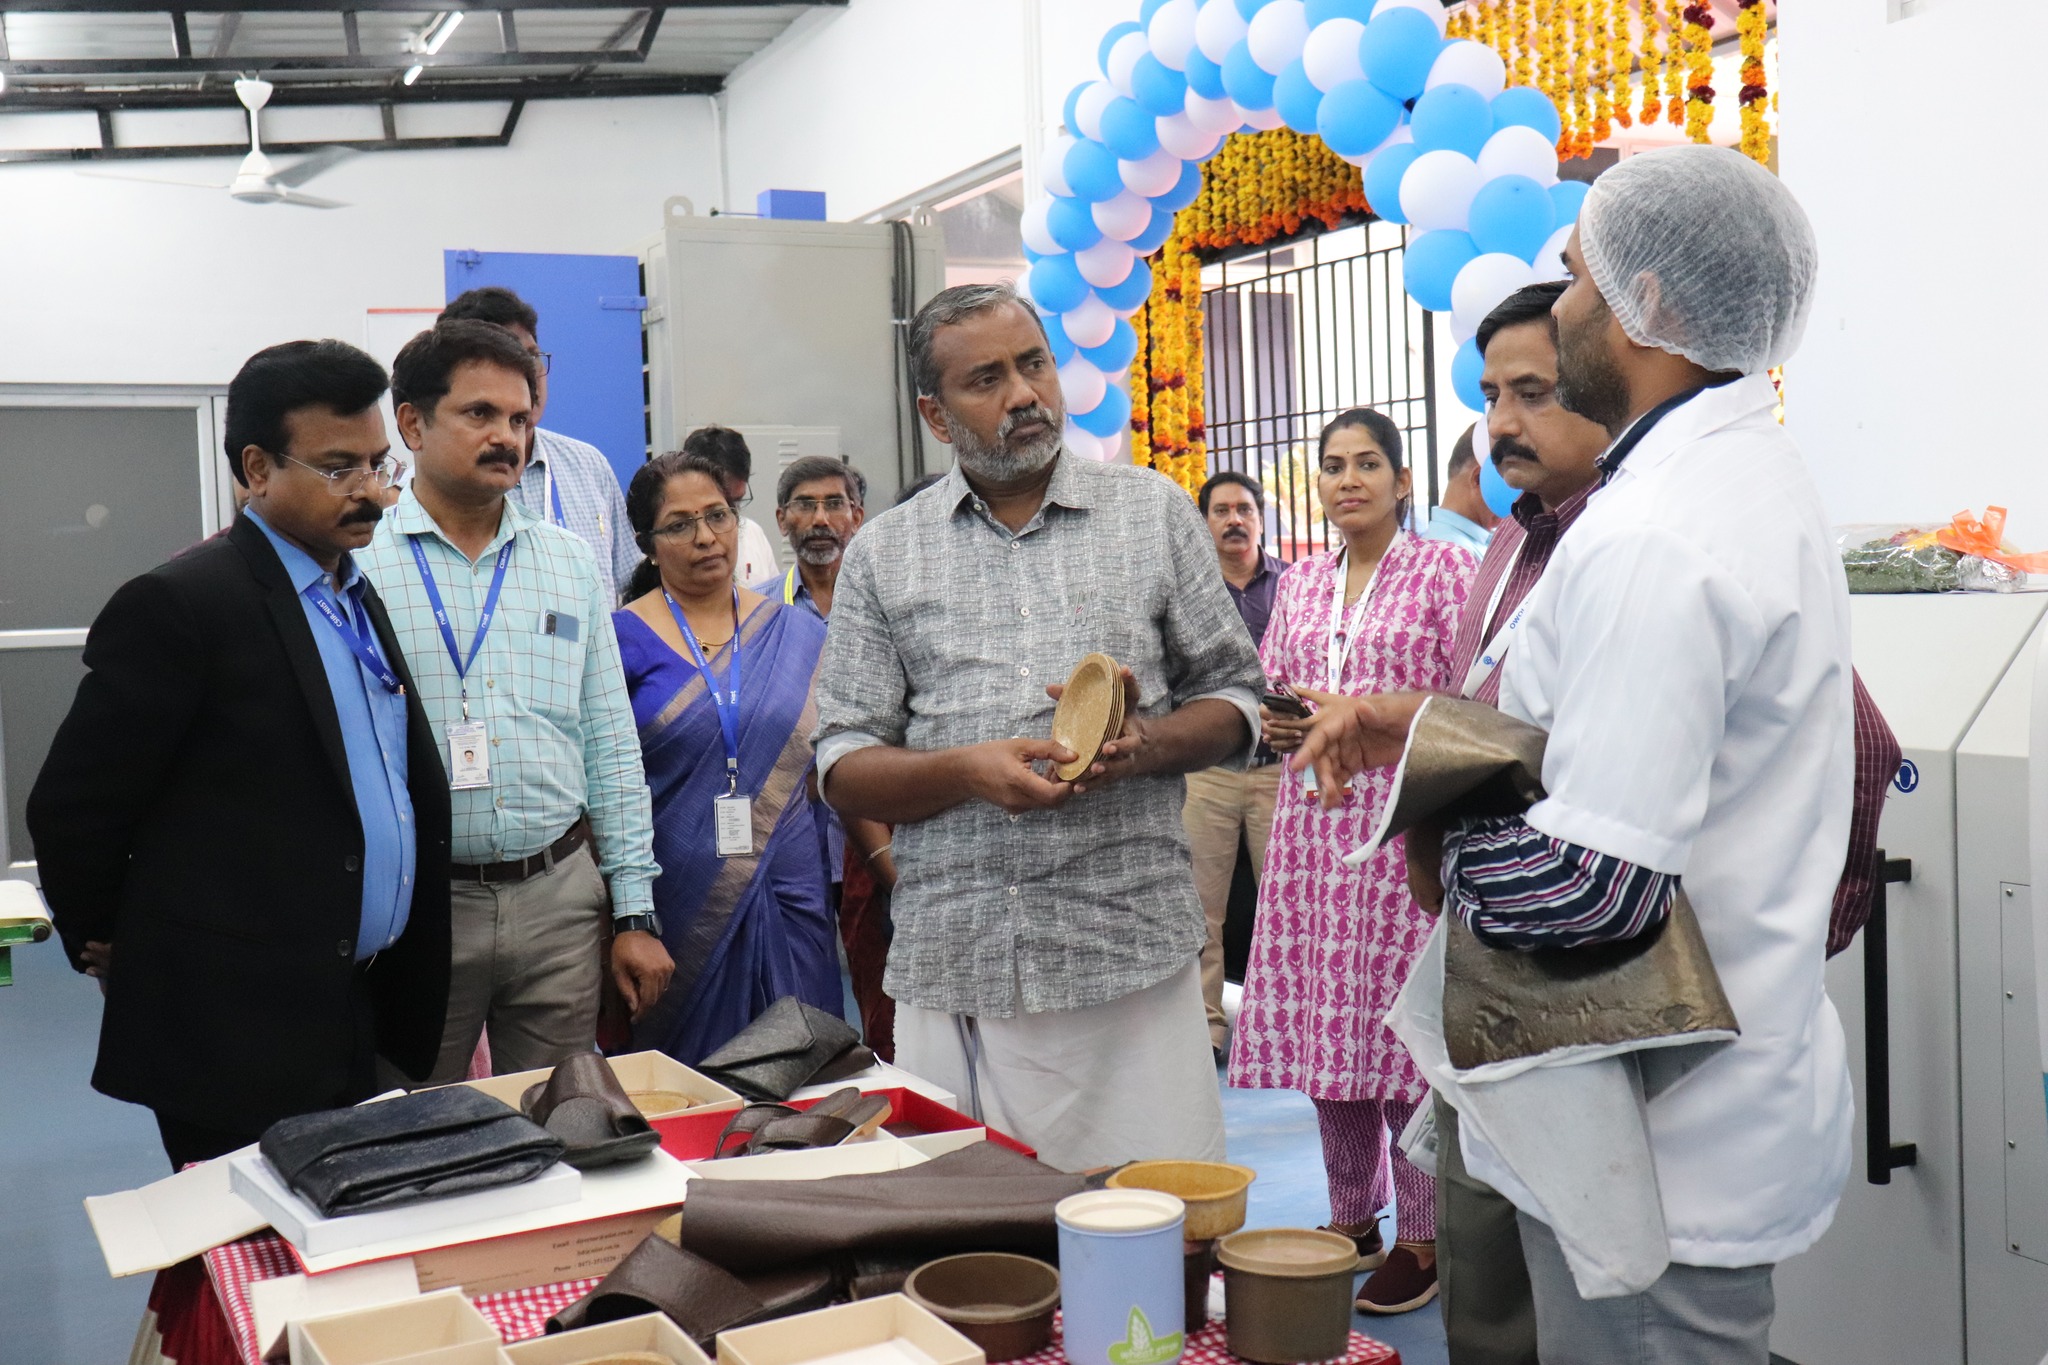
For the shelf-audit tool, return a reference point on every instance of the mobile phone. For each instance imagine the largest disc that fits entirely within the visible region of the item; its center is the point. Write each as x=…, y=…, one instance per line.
x=1285, y=704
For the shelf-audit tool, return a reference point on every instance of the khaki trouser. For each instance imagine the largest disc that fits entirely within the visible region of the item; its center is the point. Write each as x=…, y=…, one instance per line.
x=1221, y=805
x=527, y=960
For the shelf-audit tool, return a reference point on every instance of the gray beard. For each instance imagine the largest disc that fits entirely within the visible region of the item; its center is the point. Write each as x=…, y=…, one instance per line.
x=820, y=556
x=1000, y=462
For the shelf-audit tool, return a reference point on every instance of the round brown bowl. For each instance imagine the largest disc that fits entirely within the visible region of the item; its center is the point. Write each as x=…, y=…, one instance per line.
x=1002, y=1303
x=1213, y=1191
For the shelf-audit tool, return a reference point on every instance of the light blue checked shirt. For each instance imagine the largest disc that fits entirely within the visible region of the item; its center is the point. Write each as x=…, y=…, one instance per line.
x=554, y=704
x=593, y=505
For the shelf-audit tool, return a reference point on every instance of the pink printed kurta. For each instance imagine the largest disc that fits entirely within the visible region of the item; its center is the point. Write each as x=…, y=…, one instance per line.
x=1332, y=945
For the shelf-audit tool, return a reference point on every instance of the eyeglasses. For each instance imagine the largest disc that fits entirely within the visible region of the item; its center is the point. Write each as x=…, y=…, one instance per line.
x=810, y=507
x=356, y=479
x=719, y=519
x=543, y=361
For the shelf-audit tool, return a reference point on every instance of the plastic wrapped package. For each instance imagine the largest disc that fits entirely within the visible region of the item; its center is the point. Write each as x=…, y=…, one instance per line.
x=1897, y=558
x=1989, y=575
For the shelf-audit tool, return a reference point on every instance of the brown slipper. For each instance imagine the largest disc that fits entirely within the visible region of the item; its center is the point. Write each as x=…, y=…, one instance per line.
x=583, y=1104
x=745, y=1124
x=701, y=1298
x=1402, y=1285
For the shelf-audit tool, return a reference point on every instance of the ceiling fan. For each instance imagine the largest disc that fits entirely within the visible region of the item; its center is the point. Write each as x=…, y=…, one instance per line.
x=256, y=181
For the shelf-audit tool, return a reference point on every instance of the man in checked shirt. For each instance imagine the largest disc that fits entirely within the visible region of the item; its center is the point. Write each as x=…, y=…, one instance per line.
x=1045, y=961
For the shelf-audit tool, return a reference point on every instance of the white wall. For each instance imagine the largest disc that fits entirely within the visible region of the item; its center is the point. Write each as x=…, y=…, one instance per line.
x=1911, y=144
x=107, y=281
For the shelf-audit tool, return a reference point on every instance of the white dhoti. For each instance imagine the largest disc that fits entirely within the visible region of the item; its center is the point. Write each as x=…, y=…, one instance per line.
x=1127, y=1080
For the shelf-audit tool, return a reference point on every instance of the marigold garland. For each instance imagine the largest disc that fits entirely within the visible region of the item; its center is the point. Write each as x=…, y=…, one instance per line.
x=1583, y=77
x=1652, y=57
x=1674, y=63
x=1620, y=60
x=1699, y=59
x=1750, y=29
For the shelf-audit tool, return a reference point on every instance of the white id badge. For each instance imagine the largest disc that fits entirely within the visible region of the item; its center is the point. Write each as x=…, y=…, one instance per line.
x=734, y=818
x=469, y=755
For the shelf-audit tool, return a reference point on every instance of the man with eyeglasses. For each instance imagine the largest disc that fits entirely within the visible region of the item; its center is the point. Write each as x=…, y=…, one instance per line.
x=242, y=826
x=819, y=504
x=566, y=481
x=507, y=618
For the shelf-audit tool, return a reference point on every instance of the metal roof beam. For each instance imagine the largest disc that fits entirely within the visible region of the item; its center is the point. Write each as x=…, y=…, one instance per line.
x=393, y=63
x=306, y=94
x=383, y=6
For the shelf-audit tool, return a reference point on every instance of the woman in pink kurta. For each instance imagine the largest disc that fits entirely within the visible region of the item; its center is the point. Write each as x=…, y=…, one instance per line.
x=1332, y=945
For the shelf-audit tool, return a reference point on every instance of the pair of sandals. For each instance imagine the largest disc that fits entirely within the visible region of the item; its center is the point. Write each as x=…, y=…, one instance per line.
x=841, y=1117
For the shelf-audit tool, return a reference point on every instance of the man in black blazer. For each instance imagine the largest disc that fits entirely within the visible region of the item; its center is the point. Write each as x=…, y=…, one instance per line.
x=242, y=826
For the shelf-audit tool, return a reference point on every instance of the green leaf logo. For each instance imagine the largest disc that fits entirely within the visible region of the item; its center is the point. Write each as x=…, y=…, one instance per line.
x=1141, y=1347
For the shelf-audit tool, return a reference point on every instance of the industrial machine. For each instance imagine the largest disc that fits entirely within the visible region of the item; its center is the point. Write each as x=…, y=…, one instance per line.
x=1939, y=1252
x=790, y=332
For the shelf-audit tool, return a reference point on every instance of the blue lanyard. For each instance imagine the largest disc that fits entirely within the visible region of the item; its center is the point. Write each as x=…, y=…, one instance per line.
x=555, y=496
x=362, y=643
x=483, y=621
x=728, y=703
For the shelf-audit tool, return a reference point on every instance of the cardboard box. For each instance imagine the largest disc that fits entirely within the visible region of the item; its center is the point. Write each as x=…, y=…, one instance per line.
x=278, y=1303
x=881, y=1076
x=693, y=1137
x=637, y=1071
x=171, y=1220
x=395, y=1332
x=879, y=1153
x=579, y=1251
x=653, y=1332
x=252, y=1177
x=890, y=1330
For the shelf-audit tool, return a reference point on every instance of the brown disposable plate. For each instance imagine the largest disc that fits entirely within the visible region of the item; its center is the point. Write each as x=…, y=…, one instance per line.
x=1001, y=1303
x=1089, y=714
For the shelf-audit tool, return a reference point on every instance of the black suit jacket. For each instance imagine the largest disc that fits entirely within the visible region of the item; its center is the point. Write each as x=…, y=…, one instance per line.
x=196, y=812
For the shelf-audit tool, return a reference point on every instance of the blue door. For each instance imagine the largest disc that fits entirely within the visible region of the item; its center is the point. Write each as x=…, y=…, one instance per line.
x=589, y=310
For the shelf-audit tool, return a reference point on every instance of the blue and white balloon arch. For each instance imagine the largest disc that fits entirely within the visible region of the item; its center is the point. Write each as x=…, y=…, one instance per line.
x=1447, y=147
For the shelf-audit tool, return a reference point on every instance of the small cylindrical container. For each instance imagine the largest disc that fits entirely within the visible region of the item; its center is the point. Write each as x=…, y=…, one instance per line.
x=1287, y=1294
x=1121, y=1277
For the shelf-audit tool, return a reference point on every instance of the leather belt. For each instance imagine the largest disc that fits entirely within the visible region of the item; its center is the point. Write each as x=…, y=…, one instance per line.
x=519, y=869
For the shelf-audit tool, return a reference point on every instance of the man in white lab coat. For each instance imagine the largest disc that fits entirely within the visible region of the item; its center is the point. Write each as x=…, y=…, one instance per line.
x=1688, y=653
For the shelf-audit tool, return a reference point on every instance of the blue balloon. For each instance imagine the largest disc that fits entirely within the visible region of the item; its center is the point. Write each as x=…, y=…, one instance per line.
x=1056, y=337
x=1131, y=291
x=1248, y=82
x=1185, y=190
x=1566, y=196
x=1499, y=495
x=1356, y=117
x=1512, y=214
x=1110, y=40
x=1466, y=367
x=1117, y=352
x=1128, y=130
x=1110, y=416
x=1432, y=262
x=1319, y=11
x=1056, y=284
x=1160, y=89
x=1069, y=114
x=1383, y=180
x=1071, y=223
x=1397, y=51
x=1155, y=234
x=1092, y=172
x=1297, y=98
x=1250, y=7
x=1529, y=108
x=1205, y=77
x=1148, y=9
x=1451, y=118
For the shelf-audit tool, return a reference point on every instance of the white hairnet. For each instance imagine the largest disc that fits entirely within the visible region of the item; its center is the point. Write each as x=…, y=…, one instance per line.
x=1702, y=252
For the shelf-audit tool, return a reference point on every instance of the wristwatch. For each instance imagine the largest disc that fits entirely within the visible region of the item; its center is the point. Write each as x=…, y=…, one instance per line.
x=626, y=924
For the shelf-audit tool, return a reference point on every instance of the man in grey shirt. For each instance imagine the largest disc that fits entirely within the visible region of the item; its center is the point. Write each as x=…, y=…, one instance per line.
x=1047, y=932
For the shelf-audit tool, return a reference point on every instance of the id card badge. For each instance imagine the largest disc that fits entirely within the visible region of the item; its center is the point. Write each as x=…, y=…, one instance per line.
x=733, y=817
x=469, y=756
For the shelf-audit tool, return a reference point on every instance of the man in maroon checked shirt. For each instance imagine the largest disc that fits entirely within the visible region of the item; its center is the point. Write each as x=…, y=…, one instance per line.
x=1551, y=456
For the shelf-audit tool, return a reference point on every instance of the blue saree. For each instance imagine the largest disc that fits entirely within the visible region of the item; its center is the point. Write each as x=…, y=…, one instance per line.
x=743, y=931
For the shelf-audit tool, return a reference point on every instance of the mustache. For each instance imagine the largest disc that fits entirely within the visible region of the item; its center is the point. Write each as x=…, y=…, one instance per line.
x=1037, y=412
x=369, y=514
x=1237, y=533
x=1511, y=449
x=501, y=455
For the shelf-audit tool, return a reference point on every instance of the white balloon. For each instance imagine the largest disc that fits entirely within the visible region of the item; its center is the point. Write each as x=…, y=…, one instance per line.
x=1433, y=8
x=1034, y=231
x=1217, y=29
x=1331, y=53
x=1213, y=116
x=1080, y=444
x=1438, y=188
x=1179, y=135
x=1172, y=33
x=1468, y=63
x=1106, y=263
x=1156, y=174
x=1122, y=218
x=1052, y=167
x=1088, y=109
x=1093, y=323
x=1519, y=150
x=1550, y=260
x=1276, y=35
x=1082, y=384
x=1482, y=284
x=1265, y=120
x=1123, y=55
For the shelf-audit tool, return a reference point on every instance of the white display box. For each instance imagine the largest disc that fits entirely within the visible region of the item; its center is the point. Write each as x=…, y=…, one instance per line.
x=882, y=1152
x=890, y=1330
x=654, y=1333
x=171, y=1220
x=410, y=1332
x=636, y=1071
x=278, y=1303
x=257, y=1182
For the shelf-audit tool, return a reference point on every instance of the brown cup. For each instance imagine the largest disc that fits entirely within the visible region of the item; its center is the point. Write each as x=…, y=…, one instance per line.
x=1002, y=1303
x=1198, y=1263
x=1287, y=1294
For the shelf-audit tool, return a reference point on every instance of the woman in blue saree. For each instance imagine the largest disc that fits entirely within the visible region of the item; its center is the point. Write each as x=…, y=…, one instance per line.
x=744, y=911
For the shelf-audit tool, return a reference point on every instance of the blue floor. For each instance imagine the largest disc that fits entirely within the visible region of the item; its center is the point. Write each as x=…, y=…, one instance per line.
x=61, y=1141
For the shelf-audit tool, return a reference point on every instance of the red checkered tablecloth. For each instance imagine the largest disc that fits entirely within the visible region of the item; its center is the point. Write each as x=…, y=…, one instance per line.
x=516, y=1314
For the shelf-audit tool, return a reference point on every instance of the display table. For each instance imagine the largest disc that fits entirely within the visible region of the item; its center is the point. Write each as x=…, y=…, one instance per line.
x=203, y=1316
